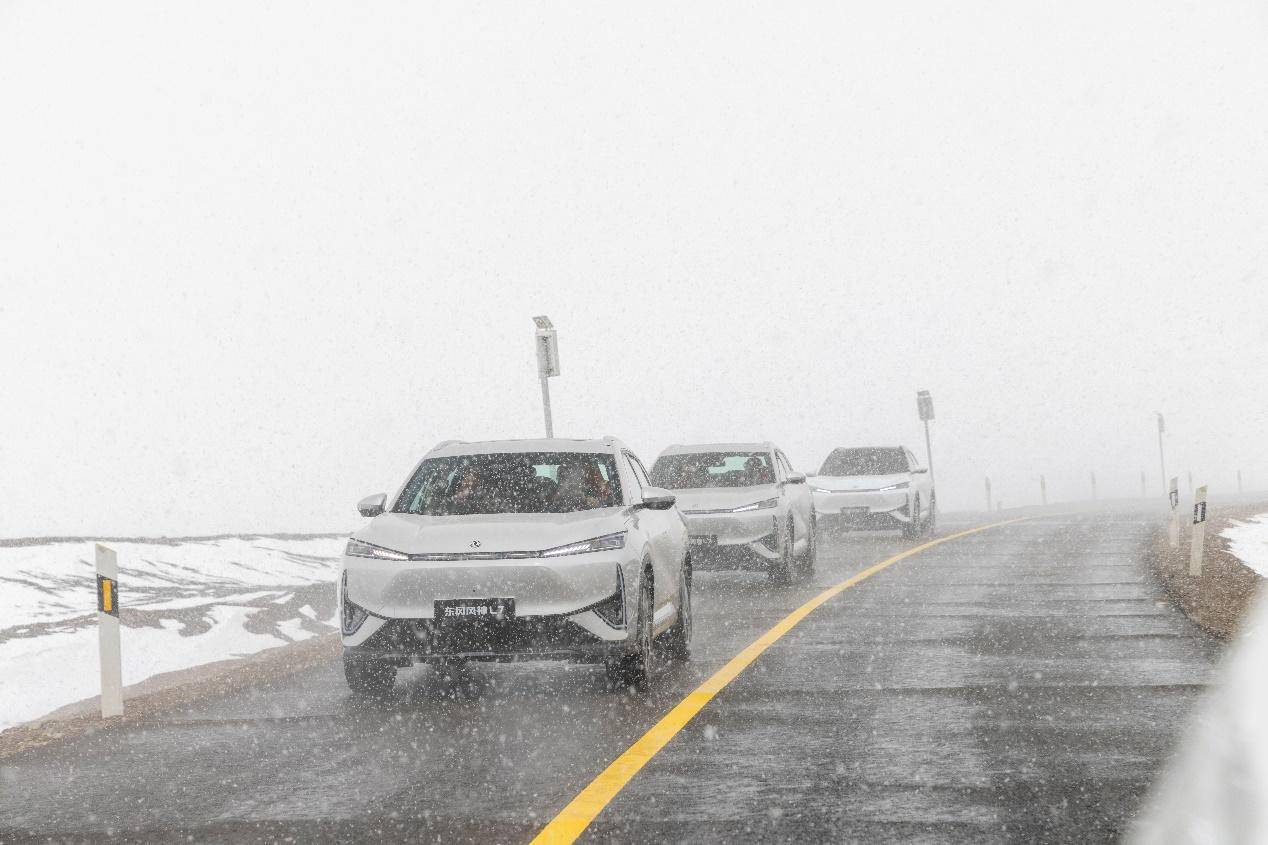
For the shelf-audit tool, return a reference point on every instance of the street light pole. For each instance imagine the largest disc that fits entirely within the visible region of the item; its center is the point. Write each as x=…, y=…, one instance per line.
x=924, y=404
x=1162, y=460
x=547, y=364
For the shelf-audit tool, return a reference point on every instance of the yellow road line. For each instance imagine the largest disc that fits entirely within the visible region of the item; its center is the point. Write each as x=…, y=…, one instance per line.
x=576, y=817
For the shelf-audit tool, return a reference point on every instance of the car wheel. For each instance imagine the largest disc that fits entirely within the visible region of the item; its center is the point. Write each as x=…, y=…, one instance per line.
x=913, y=528
x=678, y=638
x=780, y=571
x=369, y=677
x=811, y=557
x=634, y=670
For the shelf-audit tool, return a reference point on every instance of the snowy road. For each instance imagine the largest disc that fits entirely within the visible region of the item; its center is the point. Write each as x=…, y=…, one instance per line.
x=1021, y=684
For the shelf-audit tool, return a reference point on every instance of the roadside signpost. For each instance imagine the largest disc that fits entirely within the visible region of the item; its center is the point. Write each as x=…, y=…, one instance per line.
x=1043, y=490
x=1162, y=461
x=924, y=405
x=547, y=364
x=988, y=494
x=1199, y=531
x=108, y=632
x=1174, y=496
x=1094, y=487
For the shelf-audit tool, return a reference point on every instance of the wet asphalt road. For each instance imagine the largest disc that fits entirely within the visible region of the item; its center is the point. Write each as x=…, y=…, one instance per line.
x=1018, y=685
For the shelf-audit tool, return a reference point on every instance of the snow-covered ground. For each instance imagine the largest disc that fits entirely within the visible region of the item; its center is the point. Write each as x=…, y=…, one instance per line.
x=1249, y=542
x=184, y=603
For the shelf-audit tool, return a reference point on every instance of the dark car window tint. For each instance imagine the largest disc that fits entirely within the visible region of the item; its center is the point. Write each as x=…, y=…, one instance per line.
x=515, y=482
x=865, y=462
x=713, y=469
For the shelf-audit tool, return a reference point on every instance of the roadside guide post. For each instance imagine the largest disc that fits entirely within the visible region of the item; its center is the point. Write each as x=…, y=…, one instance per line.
x=1162, y=461
x=1094, y=487
x=1175, y=511
x=1239, y=482
x=1143, y=494
x=988, y=494
x=924, y=404
x=1199, y=531
x=1043, y=489
x=547, y=364
x=108, y=632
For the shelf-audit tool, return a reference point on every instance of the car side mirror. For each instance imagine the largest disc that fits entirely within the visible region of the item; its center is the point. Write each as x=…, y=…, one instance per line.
x=657, y=499
x=797, y=478
x=372, y=505
x=919, y=470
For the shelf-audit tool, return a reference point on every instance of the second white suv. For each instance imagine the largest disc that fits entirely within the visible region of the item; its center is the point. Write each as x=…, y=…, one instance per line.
x=745, y=506
x=876, y=487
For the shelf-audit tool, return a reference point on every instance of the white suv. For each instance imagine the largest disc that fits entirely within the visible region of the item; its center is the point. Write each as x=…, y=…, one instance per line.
x=513, y=550
x=746, y=507
x=876, y=487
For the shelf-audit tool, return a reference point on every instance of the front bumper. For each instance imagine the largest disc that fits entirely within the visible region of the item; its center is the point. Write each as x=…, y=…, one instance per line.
x=874, y=509
x=747, y=540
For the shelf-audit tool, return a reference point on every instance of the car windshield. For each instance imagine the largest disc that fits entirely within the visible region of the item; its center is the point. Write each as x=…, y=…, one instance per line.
x=520, y=482
x=713, y=469
x=865, y=462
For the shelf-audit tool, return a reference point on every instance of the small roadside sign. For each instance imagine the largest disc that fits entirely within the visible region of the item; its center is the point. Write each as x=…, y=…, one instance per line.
x=1199, y=531
x=924, y=404
x=109, y=648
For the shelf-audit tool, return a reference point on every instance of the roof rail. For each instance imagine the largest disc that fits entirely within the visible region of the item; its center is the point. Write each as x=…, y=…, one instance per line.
x=442, y=444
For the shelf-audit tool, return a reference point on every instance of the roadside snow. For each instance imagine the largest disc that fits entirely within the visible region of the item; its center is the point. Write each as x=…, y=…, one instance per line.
x=184, y=604
x=1248, y=541
x=1216, y=788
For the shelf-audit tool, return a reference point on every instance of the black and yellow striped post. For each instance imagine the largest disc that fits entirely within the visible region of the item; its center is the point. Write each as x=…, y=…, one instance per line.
x=108, y=631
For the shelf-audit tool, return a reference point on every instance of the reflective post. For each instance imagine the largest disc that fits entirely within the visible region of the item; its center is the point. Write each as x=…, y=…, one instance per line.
x=109, y=648
x=1199, y=531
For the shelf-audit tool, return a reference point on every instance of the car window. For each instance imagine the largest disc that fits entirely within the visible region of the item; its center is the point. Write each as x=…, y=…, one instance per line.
x=528, y=482
x=713, y=469
x=783, y=462
x=865, y=461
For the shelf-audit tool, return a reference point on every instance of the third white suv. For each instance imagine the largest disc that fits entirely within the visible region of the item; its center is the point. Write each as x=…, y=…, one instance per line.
x=876, y=487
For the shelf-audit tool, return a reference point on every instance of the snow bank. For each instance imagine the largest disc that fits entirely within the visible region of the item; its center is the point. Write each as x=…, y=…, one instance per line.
x=1248, y=541
x=184, y=604
x=1216, y=788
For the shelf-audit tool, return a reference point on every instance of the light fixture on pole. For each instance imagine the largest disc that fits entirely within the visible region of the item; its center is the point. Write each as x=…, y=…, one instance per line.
x=547, y=364
x=924, y=404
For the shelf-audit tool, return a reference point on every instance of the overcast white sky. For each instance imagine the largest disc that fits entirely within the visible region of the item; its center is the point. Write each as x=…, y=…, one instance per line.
x=255, y=259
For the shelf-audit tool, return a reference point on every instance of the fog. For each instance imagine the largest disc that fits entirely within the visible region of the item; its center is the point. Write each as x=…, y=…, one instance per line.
x=254, y=262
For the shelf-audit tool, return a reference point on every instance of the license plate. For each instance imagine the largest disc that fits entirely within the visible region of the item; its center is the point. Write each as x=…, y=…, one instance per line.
x=853, y=511
x=474, y=610
x=706, y=541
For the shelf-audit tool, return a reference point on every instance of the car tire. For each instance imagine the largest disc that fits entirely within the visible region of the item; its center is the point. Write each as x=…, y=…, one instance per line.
x=677, y=640
x=634, y=670
x=913, y=528
x=780, y=571
x=368, y=677
x=811, y=557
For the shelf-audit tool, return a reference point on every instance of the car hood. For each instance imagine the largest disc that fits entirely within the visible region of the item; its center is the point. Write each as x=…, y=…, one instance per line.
x=852, y=483
x=723, y=498
x=503, y=532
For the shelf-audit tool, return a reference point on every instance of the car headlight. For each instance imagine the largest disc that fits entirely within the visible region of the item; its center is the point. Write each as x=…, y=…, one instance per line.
x=606, y=543
x=360, y=548
x=765, y=504
x=902, y=485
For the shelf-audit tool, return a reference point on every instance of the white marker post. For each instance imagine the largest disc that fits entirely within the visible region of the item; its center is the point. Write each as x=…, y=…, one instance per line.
x=108, y=632
x=988, y=494
x=1094, y=487
x=1199, y=531
x=1175, y=511
x=1043, y=489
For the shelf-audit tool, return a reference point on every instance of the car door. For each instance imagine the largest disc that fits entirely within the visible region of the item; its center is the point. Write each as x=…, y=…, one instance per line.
x=798, y=497
x=920, y=484
x=665, y=534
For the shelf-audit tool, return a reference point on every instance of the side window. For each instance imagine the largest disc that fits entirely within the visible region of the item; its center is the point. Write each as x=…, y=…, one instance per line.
x=636, y=466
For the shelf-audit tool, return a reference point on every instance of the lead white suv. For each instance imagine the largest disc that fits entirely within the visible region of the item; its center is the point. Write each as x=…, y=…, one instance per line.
x=876, y=487
x=746, y=507
x=513, y=550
